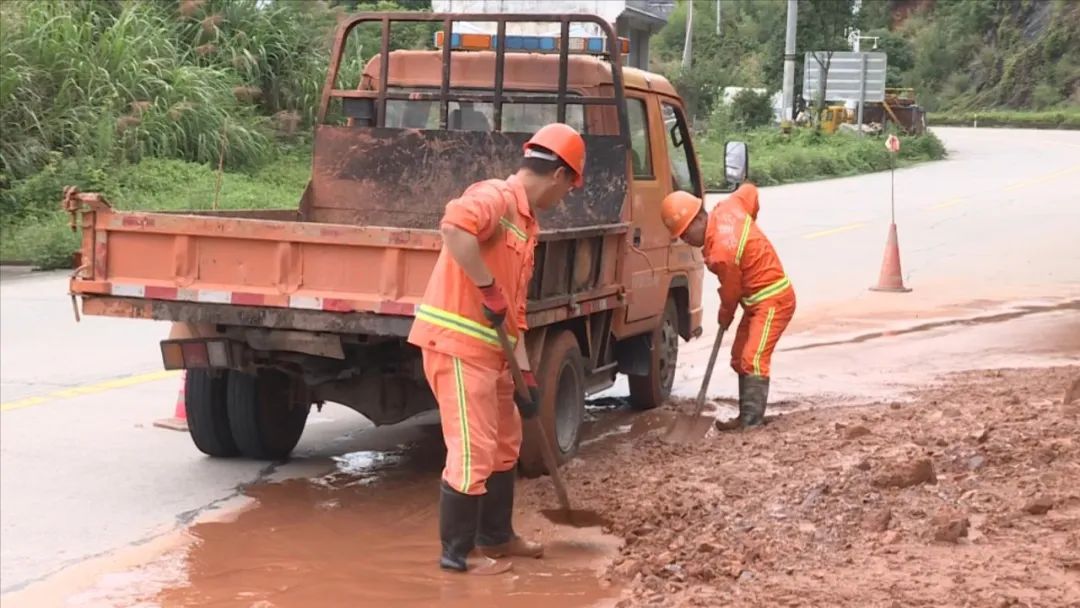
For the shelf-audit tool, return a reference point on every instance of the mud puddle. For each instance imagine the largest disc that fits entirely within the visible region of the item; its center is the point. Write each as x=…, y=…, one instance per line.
x=308, y=545
x=366, y=534
x=359, y=529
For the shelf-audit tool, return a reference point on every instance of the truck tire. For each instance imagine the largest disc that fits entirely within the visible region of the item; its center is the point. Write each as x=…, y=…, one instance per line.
x=561, y=377
x=654, y=388
x=207, y=415
x=265, y=423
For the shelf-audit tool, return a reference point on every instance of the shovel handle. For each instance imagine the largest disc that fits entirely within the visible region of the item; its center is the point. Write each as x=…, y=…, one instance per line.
x=700, y=405
x=550, y=461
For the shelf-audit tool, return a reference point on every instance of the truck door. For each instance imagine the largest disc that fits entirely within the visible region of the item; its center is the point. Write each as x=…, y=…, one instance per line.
x=682, y=174
x=649, y=240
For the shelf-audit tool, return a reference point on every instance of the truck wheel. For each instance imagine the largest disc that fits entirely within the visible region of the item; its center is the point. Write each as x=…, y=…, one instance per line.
x=562, y=404
x=265, y=422
x=652, y=389
x=207, y=416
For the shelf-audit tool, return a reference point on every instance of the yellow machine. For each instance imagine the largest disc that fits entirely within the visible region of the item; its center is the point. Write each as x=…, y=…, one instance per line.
x=899, y=108
x=832, y=117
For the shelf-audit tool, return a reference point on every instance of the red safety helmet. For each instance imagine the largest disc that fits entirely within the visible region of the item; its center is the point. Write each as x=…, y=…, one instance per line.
x=564, y=142
x=677, y=211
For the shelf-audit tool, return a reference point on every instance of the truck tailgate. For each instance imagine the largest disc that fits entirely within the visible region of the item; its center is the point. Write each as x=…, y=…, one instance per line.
x=249, y=262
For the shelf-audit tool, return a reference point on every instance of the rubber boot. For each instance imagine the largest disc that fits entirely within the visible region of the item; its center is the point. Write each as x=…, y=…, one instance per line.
x=458, y=519
x=736, y=422
x=496, y=537
x=752, y=407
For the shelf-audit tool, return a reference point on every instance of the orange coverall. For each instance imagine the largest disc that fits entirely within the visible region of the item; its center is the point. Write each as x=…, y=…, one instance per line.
x=751, y=274
x=463, y=362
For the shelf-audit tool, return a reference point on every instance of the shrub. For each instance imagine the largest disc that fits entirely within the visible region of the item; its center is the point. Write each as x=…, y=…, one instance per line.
x=750, y=109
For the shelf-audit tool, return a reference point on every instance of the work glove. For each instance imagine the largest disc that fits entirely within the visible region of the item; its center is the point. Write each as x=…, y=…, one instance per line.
x=494, y=304
x=528, y=407
x=725, y=318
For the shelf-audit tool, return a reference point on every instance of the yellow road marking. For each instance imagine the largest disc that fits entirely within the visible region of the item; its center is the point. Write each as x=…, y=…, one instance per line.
x=89, y=389
x=956, y=200
x=831, y=231
x=1043, y=178
x=1046, y=177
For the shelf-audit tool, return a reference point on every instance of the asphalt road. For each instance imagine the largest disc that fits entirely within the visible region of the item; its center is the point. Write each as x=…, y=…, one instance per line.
x=998, y=220
x=83, y=471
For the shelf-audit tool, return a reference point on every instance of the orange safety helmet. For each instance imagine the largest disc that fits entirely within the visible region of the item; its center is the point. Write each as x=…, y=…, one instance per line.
x=678, y=210
x=565, y=142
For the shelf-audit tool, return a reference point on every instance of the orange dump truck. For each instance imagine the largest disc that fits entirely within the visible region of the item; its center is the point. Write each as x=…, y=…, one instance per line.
x=274, y=311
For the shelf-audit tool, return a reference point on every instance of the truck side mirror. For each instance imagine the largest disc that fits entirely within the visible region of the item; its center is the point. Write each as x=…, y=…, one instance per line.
x=736, y=162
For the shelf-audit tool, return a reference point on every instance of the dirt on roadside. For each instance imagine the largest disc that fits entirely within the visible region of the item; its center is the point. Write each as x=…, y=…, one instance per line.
x=965, y=495
x=968, y=495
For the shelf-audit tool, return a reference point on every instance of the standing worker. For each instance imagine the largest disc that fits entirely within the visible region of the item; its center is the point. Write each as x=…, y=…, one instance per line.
x=482, y=274
x=738, y=252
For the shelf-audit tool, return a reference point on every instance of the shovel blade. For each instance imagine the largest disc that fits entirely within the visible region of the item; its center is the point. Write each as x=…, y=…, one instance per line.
x=689, y=429
x=577, y=518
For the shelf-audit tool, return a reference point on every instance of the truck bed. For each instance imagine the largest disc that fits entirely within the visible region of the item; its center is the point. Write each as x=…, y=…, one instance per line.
x=286, y=273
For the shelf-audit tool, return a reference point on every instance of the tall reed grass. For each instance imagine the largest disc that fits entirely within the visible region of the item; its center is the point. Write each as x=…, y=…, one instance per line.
x=122, y=80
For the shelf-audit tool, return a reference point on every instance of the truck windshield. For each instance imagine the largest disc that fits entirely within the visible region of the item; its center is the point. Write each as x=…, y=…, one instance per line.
x=476, y=116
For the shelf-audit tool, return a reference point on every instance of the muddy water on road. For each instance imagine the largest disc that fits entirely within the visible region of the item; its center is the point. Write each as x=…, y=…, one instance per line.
x=362, y=536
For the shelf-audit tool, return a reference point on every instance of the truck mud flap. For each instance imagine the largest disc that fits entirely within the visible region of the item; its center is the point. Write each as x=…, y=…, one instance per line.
x=634, y=355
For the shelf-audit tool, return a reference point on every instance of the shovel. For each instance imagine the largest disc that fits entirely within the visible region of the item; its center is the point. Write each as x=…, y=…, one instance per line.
x=685, y=428
x=550, y=461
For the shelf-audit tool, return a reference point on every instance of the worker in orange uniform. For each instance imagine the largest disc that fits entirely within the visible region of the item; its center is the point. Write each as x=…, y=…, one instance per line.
x=481, y=280
x=750, y=273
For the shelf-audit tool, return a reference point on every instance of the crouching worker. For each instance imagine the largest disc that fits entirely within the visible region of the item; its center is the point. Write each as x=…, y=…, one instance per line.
x=750, y=273
x=480, y=280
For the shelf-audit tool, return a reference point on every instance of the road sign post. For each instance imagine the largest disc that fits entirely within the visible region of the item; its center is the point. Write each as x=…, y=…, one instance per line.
x=862, y=91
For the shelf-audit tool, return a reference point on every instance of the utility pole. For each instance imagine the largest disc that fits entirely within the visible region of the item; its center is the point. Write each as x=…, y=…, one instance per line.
x=686, y=53
x=789, y=58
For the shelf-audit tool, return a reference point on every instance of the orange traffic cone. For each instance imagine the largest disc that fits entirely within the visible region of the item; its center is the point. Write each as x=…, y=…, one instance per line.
x=178, y=422
x=891, y=278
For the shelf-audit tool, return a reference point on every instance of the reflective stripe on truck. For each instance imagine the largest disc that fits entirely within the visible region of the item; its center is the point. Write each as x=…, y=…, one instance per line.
x=239, y=298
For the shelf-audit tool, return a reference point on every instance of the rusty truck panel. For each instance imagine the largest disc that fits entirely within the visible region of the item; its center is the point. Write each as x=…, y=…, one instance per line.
x=250, y=262
x=403, y=178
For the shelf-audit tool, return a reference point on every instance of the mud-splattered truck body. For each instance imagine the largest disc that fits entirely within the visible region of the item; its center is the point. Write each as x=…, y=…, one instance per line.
x=274, y=311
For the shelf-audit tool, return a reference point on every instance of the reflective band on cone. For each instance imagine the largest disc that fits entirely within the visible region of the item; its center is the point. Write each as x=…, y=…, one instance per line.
x=178, y=422
x=891, y=278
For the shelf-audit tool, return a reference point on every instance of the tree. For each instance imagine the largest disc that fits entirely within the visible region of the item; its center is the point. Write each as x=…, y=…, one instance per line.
x=824, y=26
x=900, y=53
x=874, y=15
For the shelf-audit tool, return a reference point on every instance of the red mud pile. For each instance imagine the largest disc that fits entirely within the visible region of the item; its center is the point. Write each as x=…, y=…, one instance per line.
x=967, y=496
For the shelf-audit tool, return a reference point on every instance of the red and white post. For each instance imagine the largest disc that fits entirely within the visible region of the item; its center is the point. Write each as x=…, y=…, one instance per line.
x=891, y=278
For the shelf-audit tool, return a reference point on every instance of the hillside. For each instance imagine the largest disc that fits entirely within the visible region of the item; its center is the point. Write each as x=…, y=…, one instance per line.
x=958, y=55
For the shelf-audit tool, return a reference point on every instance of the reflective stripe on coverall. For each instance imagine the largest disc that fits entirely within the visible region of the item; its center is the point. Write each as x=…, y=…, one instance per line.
x=480, y=423
x=750, y=273
x=463, y=362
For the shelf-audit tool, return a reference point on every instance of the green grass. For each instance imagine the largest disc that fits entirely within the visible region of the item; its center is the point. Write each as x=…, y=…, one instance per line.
x=1065, y=118
x=42, y=236
x=804, y=155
